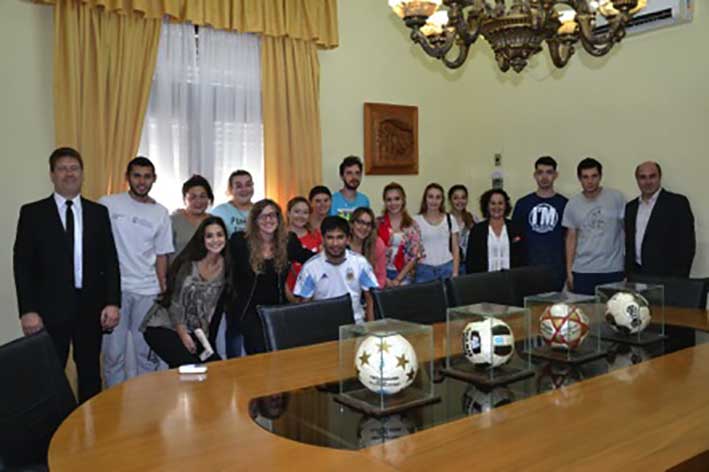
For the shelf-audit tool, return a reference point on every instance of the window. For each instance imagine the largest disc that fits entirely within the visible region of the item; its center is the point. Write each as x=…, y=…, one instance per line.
x=204, y=112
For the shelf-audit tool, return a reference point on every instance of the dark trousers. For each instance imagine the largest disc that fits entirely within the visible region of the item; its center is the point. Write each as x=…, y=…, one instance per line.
x=252, y=330
x=166, y=343
x=585, y=283
x=84, y=333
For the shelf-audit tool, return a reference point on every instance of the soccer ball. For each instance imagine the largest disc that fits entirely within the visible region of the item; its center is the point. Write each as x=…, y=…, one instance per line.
x=628, y=313
x=563, y=326
x=386, y=363
x=488, y=343
x=482, y=401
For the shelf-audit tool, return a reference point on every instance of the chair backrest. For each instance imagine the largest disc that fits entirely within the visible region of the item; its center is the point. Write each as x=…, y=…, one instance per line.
x=680, y=292
x=530, y=280
x=419, y=303
x=301, y=324
x=35, y=399
x=482, y=287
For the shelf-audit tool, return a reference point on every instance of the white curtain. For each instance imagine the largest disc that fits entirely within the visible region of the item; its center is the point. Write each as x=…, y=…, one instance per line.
x=204, y=115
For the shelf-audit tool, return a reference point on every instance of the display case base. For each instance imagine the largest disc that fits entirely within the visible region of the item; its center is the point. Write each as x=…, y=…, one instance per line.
x=501, y=376
x=578, y=356
x=367, y=401
x=641, y=339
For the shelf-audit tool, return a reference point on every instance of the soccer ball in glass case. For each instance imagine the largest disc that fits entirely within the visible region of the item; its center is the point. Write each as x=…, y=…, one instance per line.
x=386, y=363
x=488, y=343
x=628, y=313
x=564, y=326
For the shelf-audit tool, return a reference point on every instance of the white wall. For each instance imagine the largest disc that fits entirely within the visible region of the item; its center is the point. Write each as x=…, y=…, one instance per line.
x=26, y=130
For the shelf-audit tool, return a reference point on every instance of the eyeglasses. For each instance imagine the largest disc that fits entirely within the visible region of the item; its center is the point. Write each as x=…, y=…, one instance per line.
x=367, y=224
x=268, y=216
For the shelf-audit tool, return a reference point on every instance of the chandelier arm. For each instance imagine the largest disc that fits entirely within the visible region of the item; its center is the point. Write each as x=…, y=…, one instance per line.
x=460, y=60
x=434, y=51
x=462, y=27
x=460, y=3
x=600, y=44
x=597, y=50
x=561, y=50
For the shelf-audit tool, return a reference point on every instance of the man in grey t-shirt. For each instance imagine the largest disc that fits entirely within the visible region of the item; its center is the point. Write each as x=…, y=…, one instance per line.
x=594, y=240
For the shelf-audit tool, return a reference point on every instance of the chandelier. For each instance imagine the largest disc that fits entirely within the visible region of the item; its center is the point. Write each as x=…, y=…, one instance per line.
x=517, y=32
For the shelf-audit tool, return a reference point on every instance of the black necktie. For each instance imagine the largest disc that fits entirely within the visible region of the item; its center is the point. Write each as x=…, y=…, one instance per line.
x=69, y=229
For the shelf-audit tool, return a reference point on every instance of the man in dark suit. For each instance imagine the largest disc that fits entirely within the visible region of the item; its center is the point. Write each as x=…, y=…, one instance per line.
x=659, y=228
x=66, y=270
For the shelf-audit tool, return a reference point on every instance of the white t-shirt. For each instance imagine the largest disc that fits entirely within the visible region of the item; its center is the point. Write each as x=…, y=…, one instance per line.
x=436, y=240
x=320, y=279
x=142, y=232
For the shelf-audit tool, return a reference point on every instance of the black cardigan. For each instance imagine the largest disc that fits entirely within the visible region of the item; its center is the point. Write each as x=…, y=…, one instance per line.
x=476, y=259
x=268, y=288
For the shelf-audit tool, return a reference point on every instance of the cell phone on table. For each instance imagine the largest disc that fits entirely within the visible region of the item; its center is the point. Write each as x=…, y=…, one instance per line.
x=192, y=369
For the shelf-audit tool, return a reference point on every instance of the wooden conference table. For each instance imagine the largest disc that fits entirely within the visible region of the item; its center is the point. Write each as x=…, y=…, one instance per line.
x=650, y=416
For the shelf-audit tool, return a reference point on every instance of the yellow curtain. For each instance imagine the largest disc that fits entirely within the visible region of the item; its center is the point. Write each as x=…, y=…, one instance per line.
x=291, y=116
x=291, y=30
x=310, y=20
x=103, y=68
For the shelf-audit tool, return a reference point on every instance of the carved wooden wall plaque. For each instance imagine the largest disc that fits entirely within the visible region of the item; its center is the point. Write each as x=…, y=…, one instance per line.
x=390, y=139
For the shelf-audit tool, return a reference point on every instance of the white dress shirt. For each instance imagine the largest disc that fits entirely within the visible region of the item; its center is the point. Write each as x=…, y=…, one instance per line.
x=643, y=217
x=498, y=250
x=78, y=227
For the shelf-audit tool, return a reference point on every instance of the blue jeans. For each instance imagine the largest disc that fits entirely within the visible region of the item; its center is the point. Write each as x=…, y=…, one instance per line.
x=585, y=283
x=233, y=341
x=392, y=273
x=429, y=273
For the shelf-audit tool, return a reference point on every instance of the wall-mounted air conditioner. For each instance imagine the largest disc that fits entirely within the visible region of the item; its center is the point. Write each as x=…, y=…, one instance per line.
x=657, y=14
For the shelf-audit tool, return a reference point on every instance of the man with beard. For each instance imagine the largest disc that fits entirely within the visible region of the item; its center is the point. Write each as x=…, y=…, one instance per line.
x=348, y=199
x=66, y=270
x=540, y=214
x=143, y=234
x=337, y=271
x=594, y=240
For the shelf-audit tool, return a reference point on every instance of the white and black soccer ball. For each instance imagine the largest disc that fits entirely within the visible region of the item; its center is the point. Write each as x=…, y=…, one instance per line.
x=476, y=400
x=563, y=326
x=488, y=343
x=628, y=313
x=386, y=363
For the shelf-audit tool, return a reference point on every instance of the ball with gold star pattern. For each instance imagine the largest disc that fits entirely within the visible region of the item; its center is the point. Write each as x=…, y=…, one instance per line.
x=386, y=363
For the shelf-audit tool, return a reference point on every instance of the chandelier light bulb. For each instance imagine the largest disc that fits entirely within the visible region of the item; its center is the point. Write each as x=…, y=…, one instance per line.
x=408, y=8
x=435, y=23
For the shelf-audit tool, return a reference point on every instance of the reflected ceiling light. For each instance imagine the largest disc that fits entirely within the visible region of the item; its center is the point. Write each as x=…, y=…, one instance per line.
x=515, y=32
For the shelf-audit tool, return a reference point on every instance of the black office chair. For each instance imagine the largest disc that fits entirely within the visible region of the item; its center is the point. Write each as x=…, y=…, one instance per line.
x=530, y=280
x=35, y=399
x=419, y=303
x=680, y=292
x=481, y=287
x=302, y=324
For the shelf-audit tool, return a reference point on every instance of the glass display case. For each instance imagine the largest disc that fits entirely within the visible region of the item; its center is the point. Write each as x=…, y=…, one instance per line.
x=566, y=326
x=386, y=366
x=487, y=344
x=634, y=313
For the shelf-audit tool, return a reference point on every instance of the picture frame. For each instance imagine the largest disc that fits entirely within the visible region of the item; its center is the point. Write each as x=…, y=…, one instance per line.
x=390, y=139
